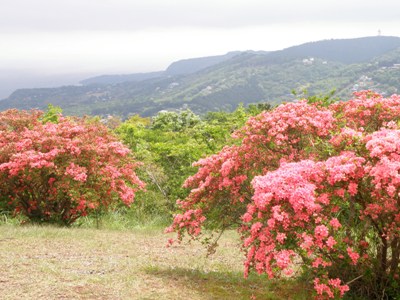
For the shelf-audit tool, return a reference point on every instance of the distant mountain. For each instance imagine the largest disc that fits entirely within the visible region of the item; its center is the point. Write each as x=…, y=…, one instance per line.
x=181, y=67
x=221, y=83
x=114, y=79
x=193, y=65
x=348, y=51
x=11, y=80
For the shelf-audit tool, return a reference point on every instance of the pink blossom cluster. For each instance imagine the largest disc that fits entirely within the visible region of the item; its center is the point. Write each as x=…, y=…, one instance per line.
x=368, y=111
x=309, y=184
x=192, y=219
x=384, y=168
x=76, y=172
x=223, y=181
x=296, y=202
x=67, y=168
x=326, y=290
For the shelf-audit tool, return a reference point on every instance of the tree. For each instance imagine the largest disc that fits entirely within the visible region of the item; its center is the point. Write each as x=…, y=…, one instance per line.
x=175, y=121
x=169, y=143
x=316, y=183
x=56, y=169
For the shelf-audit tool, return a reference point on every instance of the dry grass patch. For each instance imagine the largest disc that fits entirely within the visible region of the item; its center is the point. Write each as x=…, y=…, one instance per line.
x=58, y=263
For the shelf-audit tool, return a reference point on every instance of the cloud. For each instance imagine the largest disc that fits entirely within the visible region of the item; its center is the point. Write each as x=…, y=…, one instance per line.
x=153, y=50
x=137, y=36
x=130, y=15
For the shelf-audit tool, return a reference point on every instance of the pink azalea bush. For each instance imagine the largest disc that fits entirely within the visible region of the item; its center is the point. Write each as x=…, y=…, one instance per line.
x=310, y=188
x=57, y=172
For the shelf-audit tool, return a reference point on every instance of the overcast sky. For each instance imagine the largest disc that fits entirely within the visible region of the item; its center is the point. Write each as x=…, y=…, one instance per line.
x=126, y=36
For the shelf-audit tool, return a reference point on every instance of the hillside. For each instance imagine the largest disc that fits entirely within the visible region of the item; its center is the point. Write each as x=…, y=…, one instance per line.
x=114, y=79
x=222, y=82
x=181, y=67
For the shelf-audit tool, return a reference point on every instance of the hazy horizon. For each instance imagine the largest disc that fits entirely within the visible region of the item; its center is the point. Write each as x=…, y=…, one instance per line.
x=13, y=79
x=51, y=39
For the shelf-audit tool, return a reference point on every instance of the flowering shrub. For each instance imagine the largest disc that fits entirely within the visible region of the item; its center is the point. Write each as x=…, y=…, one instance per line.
x=57, y=172
x=310, y=185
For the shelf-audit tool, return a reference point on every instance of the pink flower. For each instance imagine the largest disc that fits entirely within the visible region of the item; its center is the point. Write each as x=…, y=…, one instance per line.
x=353, y=188
x=247, y=217
x=354, y=256
x=330, y=242
x=78, y=173
x=335, y=223
x=283, y=258
x=321, y=231
x=281, y=237
x=317, y=262
x=307, y=243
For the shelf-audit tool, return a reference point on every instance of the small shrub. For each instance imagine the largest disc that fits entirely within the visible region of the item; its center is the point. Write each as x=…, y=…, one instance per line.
x=57, y=169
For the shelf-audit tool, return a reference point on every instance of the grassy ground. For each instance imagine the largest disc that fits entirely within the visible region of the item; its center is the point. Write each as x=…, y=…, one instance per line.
x=75, y=263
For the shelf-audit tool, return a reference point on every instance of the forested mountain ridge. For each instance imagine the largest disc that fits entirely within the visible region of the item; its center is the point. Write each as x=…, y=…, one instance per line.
x=181, y=67
x=222, y=82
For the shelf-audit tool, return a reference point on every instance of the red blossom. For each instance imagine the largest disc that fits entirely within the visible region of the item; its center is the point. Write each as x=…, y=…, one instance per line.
x=61, y=171
x=308, y=182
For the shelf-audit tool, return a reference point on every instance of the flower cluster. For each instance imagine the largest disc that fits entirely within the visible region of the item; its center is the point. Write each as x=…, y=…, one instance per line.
x=298, y=201
x=61, y=171
x=222, y=185
x=311, y=185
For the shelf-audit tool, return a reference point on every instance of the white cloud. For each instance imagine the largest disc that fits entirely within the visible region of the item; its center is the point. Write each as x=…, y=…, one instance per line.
x=117, y=36
x=131, y=15
x=126, y=51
